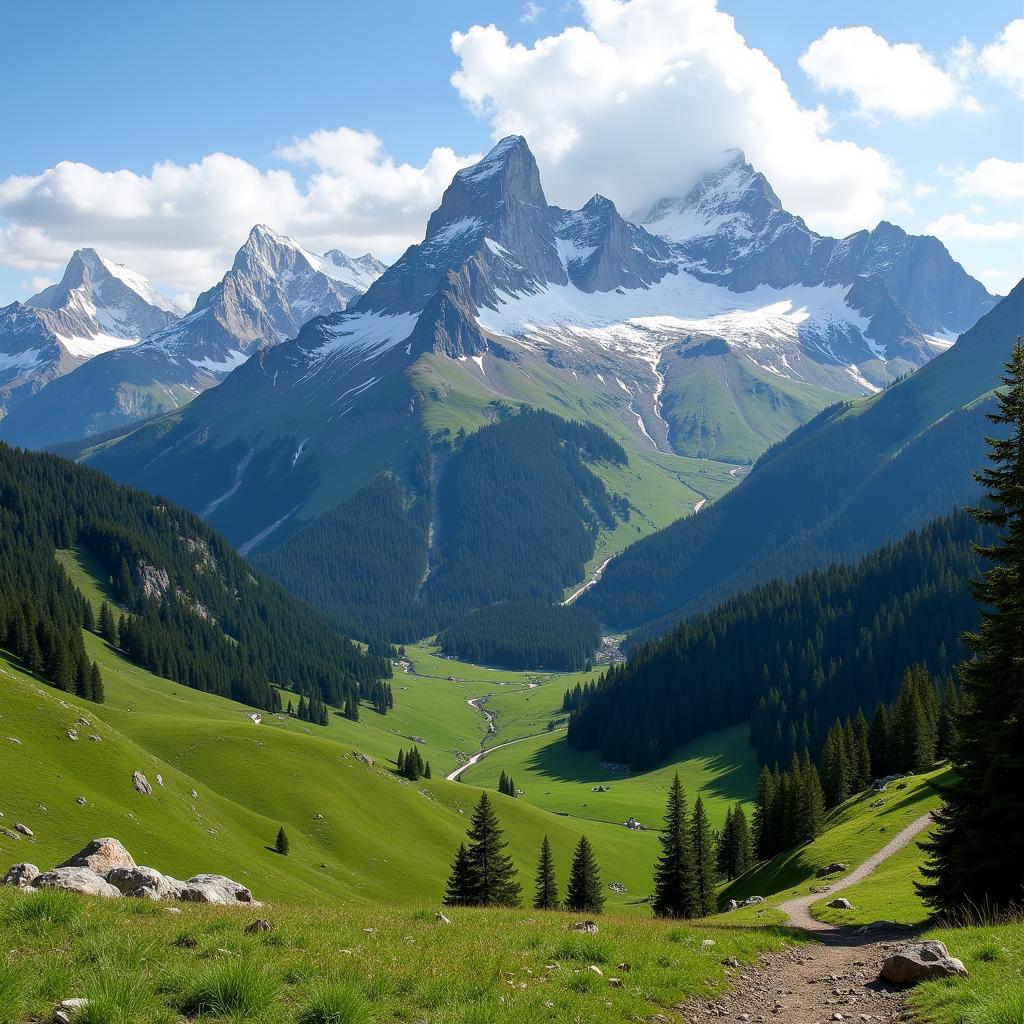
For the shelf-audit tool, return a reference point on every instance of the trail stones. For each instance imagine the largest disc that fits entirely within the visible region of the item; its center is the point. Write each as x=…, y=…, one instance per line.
x=839, y=904
x=922, y=960
x=20, y=875
x=101, y=856
x=141, y=784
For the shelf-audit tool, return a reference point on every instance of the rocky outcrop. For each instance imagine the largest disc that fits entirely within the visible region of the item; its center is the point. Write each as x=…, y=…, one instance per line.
x=101, y=856
x=141, y=784
x=839, y=903
x=105, y=868
x=80, y=880
x=921, y=961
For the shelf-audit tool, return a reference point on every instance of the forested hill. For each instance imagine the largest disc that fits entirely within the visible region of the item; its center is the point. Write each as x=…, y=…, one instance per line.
x=792, y=656
x=196, y=612
x=858, y=475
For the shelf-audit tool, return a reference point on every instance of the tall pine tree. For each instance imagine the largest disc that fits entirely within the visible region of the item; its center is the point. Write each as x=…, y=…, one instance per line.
x=491, y=867
x=584, y=893
x=675, y=875
x=704, y=860
x=977, y=853
x=546, y=891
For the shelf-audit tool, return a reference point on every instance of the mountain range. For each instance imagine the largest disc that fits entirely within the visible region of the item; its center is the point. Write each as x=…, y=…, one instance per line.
x=695, y=340
x=273, y=287
x=97, y=306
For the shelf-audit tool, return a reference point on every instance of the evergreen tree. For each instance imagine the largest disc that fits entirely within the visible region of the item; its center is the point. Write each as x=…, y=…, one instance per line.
x=96, y=684
x=584, y=893
x=743, y=849
x=461, y=890
x=703, y=854
x=492, y=870
x=503, y=783
x=281, y=843
x=765, y=842
x=879, y=742
x=861, y=753
x=723, y=855
x=675, y=875
x=427, y=774
x=546, y=886
x=949, y=716
x=400, y=763
x=977, y=853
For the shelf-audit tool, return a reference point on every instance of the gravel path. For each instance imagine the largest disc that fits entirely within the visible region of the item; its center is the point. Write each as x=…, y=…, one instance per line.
x=834, y=979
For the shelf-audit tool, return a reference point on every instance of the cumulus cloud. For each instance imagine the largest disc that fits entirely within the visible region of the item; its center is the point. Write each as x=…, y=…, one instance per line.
x=896, y=79
x=181, y=224
x=1004, y=59
x=643, y=95
x=1001, y=180
x=962, y=227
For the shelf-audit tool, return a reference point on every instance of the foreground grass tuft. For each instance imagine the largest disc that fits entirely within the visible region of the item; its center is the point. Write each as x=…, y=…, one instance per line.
x=244, y=989
x=12, y=991
x=336, y=1003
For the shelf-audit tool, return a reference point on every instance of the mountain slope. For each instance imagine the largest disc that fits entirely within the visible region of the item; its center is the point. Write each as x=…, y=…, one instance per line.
x=273, y=287
x=856, y=476
x=506, y=302
x=95, y=307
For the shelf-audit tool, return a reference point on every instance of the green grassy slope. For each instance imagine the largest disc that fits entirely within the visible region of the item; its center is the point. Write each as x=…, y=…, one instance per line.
x=719, y=767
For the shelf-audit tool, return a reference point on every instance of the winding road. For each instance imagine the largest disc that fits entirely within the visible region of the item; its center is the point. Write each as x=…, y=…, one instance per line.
x=598, y=573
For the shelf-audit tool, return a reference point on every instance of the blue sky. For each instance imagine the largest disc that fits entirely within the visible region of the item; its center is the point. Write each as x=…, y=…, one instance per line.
x=123, y=87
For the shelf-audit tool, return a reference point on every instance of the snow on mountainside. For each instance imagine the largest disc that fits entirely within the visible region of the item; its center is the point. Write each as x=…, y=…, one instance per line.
x=95, y=307
x=273, y=287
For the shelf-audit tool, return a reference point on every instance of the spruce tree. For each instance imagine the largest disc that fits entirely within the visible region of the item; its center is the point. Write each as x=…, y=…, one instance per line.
x=584, y=893
x=724, y=853
x=949, y=717
x=96, y=684
x=743, y=856
x=546, y=887
x=704, y=862
x=461, y=890
x=977, y=853
x=879, y=742
x=400, y=763
x=503, y=783
x=675, y=875
x=861, y=753
x=281, y=843
x=764, y=840
x=491, y=867
x=427, y=774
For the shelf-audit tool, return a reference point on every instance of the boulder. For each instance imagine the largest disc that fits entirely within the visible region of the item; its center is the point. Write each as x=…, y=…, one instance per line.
x=839, y=904
x=752, y=901
x=922, y=960
x=588, y=927
x=20, y=875
x=76, y=879
x=24, y=829
x=140, y=882
x=217, y=889
x=831, y=869
x=67, y=1009
x=259, y=925
x=141, y=784
x=102, y=856
x=733, y=905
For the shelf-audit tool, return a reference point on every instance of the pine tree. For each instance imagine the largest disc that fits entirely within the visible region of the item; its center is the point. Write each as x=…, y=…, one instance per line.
x=584, y=893
x=861, y=754
x=427, y=774
x=977, y=853
x=724, y=853
x=765, y=842
x=98, y=693
x=503, y=783
x=743, y=855
x=949, y=716
x=281, y=844
x=546, y=886
x=675, y=875
x=512, y=787
x=400, y=764
x=491, y=867
x=703, y=854
x=812, y=799
x=461, y=890
x=879, y=742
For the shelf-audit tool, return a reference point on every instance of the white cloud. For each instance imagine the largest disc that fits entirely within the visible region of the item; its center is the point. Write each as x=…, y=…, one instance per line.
x=181, y=224
x=922, y=188
x=1004, y=59
x=1001, y=180
x=35, y=284
x=897, y=79
x=638, y=99
x=998, y=281
x=531, y=12
x=960, y=227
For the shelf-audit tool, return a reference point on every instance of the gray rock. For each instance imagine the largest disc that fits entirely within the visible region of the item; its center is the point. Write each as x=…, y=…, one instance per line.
x=23, y=829
x=440, y=917
x=20, y=875
x=140, y=882
x=920, y=961
x=76, y=879
x=80, y=801
x=66, y=1009
x=587, y=927
x=839, y=904
x=218, y=889
x=831, y=869
x=259, y=925
x=141, y=784
x=102, y=856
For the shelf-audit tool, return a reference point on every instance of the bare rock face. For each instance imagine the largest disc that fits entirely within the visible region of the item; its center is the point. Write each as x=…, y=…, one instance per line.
x=101, y=856
x=76, y=879
x=20, y=875
x=217, y=889
x=141, y=784
x=920, y=961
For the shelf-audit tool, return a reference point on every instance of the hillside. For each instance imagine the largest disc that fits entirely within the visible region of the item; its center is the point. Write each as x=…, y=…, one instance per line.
x=856, y=476
x=792, y=656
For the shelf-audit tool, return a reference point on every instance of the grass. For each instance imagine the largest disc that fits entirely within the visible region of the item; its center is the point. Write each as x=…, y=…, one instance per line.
x=324, y=965
x=720, y=767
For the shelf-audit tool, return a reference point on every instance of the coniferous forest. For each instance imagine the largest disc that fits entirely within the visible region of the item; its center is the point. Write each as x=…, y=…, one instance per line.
x=191, y=609
x=791, y=657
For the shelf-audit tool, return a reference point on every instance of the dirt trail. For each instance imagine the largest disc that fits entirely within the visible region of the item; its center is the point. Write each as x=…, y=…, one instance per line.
x=835, y=979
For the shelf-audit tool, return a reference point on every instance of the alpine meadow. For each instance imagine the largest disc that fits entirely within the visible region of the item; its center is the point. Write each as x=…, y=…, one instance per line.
x=512, y=513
